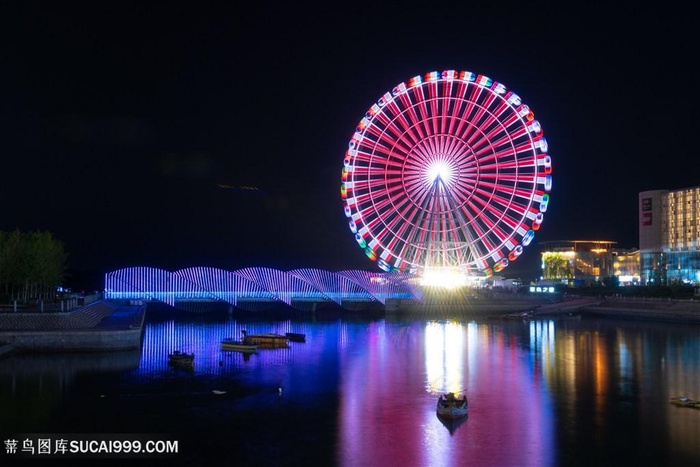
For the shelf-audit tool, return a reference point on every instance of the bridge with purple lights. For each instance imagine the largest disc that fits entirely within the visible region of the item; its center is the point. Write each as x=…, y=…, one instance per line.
x=248, y=288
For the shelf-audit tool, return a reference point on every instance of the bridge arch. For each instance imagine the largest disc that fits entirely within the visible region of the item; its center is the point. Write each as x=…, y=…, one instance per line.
x=255, y=287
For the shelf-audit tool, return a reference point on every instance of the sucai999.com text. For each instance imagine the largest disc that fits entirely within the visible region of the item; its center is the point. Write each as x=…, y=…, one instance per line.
x=89, y=446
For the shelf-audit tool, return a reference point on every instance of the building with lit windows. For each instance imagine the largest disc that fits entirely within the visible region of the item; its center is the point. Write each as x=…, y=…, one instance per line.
x=669, y=236
x=577, y=262
x=626, y=266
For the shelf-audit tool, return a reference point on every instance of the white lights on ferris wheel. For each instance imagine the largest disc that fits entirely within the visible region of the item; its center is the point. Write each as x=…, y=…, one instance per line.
x=448, y=170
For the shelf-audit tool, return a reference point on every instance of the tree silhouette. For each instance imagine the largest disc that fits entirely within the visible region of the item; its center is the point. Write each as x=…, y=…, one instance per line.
x=32, y=264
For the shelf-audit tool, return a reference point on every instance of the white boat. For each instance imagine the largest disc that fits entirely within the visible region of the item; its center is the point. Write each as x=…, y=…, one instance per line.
x=240, y=346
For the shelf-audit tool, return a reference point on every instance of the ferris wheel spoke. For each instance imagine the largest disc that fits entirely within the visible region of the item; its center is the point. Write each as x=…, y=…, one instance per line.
x=447, y=146
x=474, y=127
x=444, y=119
x=423, y=120
x=388, y=142
x=494, y=195
x=472, y=101
x=522, y=212
x=496, y=137
x=466, y=163
x=458, y=151
x=454, y=119
x=464, y=130
x=434, y=103
x=510, y=205
x=482, y=116
x=402, y=136
x=488, y=144
x=433, y=146
x=379, y=152
x=414, y=188
x=503, y=215
x=474, y=230
x=505, y=159
x=490, y=229
x=402, y=127
x=499, y=235
x=411, y=116
x=465, y=118
x=521, y=178
x=501, y=112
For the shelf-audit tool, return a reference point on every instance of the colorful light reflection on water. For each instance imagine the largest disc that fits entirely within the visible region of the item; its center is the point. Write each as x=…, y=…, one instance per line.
x=388, y=409
x=363, y=393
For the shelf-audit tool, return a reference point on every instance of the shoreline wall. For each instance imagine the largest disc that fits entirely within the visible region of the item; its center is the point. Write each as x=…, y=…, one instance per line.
x=90, y=340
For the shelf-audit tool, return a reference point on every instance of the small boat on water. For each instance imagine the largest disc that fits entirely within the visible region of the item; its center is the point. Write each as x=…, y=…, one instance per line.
x=266, y=340
x=685, y=402
x=181, y=358
x=296, y=336
x=452, y=423
x=520, y=316
x=237, y=345
x=451, y=407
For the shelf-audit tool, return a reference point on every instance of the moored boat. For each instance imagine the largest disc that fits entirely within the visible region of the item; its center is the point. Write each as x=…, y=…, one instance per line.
x=181, y=358
x=266, y=340
x=296, y=336
x=237, y=345
x=520, y=316
x=452, y=407
x=685, y=402
x=452, y=423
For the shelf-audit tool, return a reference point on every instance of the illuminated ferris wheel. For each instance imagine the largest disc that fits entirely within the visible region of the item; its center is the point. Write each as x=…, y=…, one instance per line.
x=447, y=171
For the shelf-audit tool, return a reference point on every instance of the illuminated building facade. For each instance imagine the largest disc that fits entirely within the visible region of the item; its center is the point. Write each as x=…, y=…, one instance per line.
x=577, y=262
x=669, y=236
x=626, y=266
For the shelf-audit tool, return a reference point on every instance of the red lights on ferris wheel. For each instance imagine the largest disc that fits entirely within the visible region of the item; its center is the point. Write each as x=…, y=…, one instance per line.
x=448, y=170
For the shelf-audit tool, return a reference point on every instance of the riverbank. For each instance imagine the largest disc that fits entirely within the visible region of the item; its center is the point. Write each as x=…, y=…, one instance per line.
x=647, y=309
x=99, y=326
x=685, y=311
x=106, y=326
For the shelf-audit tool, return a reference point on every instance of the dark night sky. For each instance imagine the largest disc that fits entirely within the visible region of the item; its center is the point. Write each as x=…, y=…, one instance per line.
x=120, y=119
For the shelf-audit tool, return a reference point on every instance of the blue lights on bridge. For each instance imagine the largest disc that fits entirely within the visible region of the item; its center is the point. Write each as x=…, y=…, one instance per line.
x=294, y=288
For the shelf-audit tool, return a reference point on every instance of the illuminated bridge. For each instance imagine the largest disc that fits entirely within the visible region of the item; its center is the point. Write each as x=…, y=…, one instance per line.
x=257, y=287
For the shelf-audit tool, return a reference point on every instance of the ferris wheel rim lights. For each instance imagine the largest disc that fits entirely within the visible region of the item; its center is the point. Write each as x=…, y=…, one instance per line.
x=448, y=169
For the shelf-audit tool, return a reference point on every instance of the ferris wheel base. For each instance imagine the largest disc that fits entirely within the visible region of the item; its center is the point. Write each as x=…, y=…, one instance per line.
x=460, y=306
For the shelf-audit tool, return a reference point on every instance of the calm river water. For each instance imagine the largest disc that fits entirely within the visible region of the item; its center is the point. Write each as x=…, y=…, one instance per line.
x=589, y=392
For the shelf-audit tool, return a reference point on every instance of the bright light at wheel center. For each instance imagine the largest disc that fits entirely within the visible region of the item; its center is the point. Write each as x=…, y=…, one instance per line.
x=444, y=278
x=439, y=169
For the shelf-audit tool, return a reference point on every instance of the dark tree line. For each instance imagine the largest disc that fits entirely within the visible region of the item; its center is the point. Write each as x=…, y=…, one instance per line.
x=32, y=264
